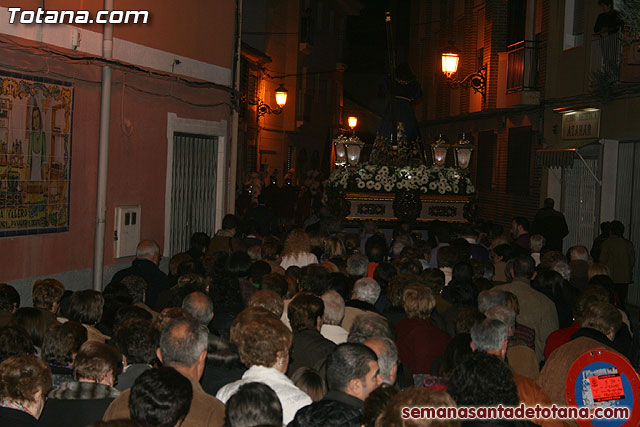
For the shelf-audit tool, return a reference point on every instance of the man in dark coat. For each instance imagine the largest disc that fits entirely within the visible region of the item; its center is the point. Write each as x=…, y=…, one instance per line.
x=146, y=266
x=352, y=374
x=551, y=225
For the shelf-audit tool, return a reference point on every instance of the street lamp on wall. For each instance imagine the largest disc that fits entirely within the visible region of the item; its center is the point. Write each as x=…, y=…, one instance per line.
x=281, y=100
x=476, y=81
x=353, y=122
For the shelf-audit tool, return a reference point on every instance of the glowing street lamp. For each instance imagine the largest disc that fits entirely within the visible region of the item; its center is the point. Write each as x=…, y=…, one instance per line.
x=281, y=96
x=476, y=81
x=353, y=122
x=450, y=60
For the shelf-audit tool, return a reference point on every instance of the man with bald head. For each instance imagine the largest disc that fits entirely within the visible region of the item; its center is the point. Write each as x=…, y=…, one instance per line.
x=146, y=266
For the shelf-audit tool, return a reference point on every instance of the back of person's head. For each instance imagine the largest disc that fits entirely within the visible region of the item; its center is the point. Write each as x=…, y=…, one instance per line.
x=59, y=345
x=239, y=264
x=199, y=242
x=147, y=249
x=489, y=335
x=95, y=361
x=271, y=248
x=522, y=222
x=463, y=293
x=617, y=228
x=601, y=316
x=376, y=403
x=297, y=242
x=137, y=340
x=357, y=265
x=334, y=247
x=258, y=270
x=367, y=326
x=598, y=269
x=136, y=286
x=130, y=312
x=22, y=377
x=434, y=279
x=33, y=321
x=160, y=397
x=502, y=313
x=466, y=318
x=447, y=257
x=548, y=203
x=267, y=299
x=524, y=267
x=462, y=248
x=442, y=233
x=490, y=298
x=199, y=305
x=462, y=272
x=304, y=311
x=314, y=279
x=396, y=288
x=176, y=261
x=86, y=307
x=47, y=293
x=384, y=274
x=254, y=404
x=504, y=252
x=418, y=301
x=333, y=308
x=458, y=348
x=549, y=281
x=229, y=222
x=9, y=298
x=348, y=362
x=578, y=253
x=421, y=398
x=261, y=342
x=536, y=242
x=376, y=248
x=482, y=379
x=244, y=317
x=563, y=268
x=182, y=342
x=14, y=341
x=366, y=289
x=406, y=265
x=275, y=282
x=167, y=315
x=310, y=381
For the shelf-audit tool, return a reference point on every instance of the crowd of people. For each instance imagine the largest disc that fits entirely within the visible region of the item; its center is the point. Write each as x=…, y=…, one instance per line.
x=319, y=326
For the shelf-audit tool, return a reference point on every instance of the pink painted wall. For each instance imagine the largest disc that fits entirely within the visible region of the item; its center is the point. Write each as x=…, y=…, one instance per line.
x=137, y=164
x=198, y=29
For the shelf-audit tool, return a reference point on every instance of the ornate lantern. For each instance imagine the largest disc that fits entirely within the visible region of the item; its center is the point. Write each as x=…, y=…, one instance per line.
x=439, y=151
x=463, y=151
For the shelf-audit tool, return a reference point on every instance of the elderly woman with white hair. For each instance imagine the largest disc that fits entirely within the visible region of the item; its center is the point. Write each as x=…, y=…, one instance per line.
x=363, y=298
x=332, y=318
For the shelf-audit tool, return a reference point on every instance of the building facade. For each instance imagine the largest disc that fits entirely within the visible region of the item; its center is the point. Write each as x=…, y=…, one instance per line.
x=170, y=127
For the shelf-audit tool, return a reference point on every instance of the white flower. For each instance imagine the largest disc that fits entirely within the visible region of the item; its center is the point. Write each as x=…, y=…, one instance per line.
x=360, y=184
x=441, y=190
x=377, y=186
x=447, y=187
x=388, y=187
x=399, y=186
x=433, y=185
x=370, y=184
x=423, y=189
x=455, y=189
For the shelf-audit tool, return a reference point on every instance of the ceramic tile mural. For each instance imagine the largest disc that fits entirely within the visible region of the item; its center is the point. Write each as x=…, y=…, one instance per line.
x=35, y=154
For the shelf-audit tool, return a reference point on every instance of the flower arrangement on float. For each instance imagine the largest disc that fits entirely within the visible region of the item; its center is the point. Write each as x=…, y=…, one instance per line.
x=390, y=179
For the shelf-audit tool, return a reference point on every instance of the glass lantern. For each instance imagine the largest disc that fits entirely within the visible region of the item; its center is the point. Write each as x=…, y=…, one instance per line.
x=463, y=151
x=340, y=151
x=353, y=148
x=439, y=151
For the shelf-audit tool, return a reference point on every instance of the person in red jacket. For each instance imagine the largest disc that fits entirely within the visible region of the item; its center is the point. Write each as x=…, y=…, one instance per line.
x=419, y=341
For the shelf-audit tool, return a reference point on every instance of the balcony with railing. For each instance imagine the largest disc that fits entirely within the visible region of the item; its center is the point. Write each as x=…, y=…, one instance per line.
x=614, y=59
x=522, y=66
x=518, y=70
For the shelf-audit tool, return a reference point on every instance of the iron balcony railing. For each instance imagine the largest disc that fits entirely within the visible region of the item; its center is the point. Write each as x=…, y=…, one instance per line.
x=606, y=53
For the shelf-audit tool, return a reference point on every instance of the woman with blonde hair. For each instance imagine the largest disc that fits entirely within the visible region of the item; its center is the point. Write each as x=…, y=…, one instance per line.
x=297, y=250
x=334, y=247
